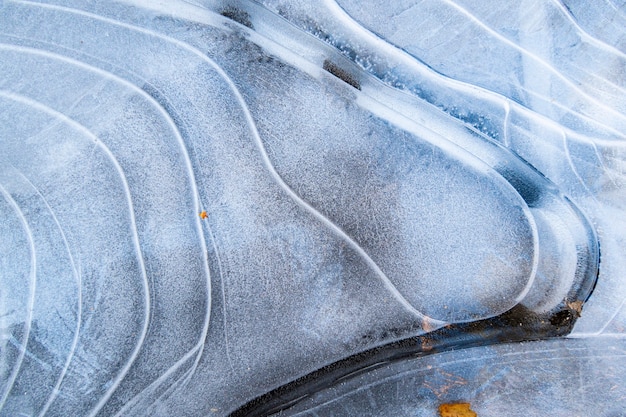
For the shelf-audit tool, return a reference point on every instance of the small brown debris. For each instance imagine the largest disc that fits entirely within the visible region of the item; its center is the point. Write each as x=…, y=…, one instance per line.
x=456, y=410
x=427, y=344
x=427, y=326
x=342, y=74
x=577, y=306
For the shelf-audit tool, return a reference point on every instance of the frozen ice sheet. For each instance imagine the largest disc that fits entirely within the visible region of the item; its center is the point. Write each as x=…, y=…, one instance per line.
x=359, y=208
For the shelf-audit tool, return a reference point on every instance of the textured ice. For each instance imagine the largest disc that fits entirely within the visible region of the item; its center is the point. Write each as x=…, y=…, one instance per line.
x=398, y=196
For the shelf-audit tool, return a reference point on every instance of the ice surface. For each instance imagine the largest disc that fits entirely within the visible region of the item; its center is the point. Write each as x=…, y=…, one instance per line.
x=365, y=203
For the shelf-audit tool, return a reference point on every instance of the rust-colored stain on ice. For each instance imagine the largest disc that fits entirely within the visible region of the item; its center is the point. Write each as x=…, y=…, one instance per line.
x=456, y=410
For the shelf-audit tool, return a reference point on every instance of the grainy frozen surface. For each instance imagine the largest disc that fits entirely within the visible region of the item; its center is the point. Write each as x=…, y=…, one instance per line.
x=359, y=166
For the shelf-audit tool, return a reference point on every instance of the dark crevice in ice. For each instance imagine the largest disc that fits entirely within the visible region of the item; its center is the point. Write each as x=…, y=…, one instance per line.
x=342, y=74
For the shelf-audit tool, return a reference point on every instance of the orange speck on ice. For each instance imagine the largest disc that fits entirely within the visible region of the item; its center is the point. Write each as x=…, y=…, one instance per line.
x=203, y=214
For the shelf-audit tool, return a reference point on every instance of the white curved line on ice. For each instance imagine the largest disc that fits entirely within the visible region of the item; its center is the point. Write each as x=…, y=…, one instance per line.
x=31, y=300
x=78, y=278
x=135, y=238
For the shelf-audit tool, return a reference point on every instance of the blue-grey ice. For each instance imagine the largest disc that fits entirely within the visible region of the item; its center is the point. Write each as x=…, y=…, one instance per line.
x=312, y=208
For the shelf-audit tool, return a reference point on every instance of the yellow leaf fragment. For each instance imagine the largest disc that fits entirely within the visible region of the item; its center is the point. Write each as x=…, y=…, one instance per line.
x=456, y=410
